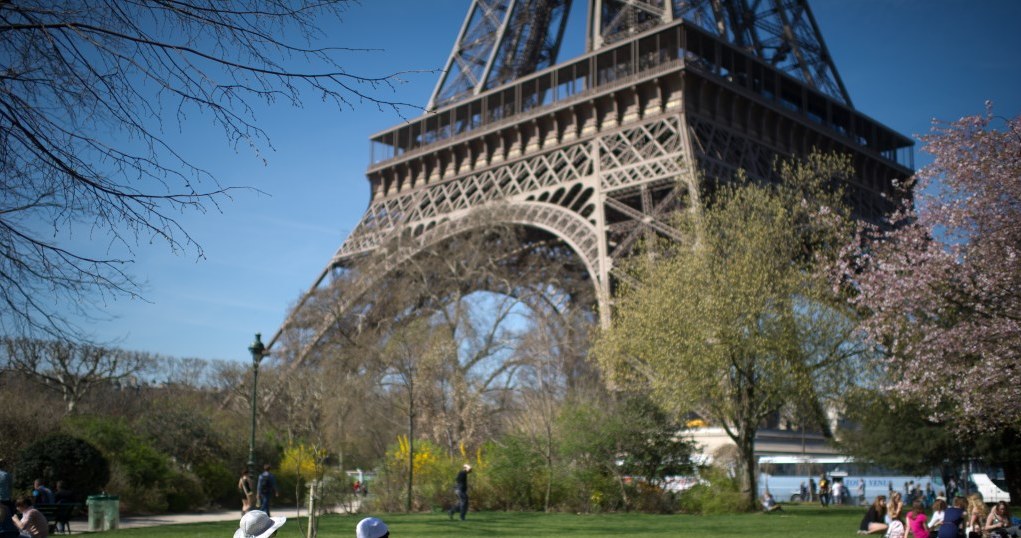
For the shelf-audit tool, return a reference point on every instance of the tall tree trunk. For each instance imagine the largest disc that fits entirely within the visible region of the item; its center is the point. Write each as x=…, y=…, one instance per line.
x=411, y=450
x=1012, y=474
x=746, y=452
x=1010, y=460
x=549, y=467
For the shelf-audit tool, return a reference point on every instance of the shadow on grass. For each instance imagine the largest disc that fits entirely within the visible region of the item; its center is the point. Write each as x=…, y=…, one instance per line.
x=794, y=521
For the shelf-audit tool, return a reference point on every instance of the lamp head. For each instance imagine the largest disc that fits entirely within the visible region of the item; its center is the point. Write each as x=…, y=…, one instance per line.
x=257, y=348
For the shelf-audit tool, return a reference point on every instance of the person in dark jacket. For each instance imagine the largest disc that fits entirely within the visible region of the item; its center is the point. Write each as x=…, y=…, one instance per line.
x=63, y=495
x=953, y=519
x=266, y=488
x=461, y=490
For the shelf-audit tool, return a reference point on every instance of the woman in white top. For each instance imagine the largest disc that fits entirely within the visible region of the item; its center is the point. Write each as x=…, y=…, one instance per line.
x=937, y=513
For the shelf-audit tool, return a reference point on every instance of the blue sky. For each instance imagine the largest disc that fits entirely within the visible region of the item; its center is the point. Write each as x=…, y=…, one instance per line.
x=904, y=63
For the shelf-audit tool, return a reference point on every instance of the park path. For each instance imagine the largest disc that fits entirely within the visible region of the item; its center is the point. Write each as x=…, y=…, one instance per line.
x=79, y=525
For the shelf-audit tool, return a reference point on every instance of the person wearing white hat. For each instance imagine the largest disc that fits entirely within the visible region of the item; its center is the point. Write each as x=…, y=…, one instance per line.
x=371, y=527
x=256, y=524
x=461, y=490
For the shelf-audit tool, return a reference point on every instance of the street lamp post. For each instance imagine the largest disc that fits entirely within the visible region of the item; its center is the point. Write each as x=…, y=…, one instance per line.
x=258, y=351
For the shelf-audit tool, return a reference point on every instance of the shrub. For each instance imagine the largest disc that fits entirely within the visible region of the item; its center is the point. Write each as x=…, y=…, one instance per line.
x=653, y=499
x=144, y=477
x=141, y=463
x=80, y=465
x=183, y=492
x=515, y=477
x=135, y=499
x=718, y=493
x=335, y=490
x=433, y=478
x=219, y=484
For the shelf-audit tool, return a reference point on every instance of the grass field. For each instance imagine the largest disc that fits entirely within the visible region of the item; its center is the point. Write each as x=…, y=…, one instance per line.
x=793, y=522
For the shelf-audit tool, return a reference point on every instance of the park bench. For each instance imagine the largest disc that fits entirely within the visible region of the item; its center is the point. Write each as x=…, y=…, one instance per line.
x=58, y=513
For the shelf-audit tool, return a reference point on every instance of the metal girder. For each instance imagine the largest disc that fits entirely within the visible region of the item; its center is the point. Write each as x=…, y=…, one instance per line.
x=614, y=20
x=500, y=41
x=783, y=33
x=631, y=133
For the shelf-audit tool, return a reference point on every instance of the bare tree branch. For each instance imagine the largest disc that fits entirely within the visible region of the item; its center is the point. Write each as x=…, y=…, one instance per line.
x=86, y=91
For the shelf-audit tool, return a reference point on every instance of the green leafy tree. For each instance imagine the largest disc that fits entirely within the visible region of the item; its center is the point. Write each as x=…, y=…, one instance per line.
x=649, y=445
x=902, y=433
x=883, y=422
x=628, y=444
x=741, y=321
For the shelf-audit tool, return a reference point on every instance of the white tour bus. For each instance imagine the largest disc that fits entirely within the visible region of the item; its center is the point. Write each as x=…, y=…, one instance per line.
x=782, y=476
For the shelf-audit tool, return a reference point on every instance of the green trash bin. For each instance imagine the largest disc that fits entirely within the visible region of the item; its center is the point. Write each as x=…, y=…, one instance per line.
x=104, y=512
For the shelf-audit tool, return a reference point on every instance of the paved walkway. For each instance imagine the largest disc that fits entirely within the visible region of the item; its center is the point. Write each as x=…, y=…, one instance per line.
x=132, y=522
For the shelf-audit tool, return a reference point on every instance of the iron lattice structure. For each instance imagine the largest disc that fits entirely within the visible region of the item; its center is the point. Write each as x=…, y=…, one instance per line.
x=597, y=151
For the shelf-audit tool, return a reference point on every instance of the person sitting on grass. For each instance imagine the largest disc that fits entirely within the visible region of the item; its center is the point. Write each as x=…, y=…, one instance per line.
x=938, y=507
x=896, y=529
x=916, y=520
x=769, y=503
x=32, y=523
x=999, y=523
x=894, y=507
x=954, y=518
x=874, y=521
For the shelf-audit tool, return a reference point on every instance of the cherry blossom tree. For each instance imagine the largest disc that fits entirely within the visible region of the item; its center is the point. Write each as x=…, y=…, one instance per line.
x=942, y=282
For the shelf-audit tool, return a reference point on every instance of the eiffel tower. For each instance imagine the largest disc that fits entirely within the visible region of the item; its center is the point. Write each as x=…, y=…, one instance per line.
x=598, y=150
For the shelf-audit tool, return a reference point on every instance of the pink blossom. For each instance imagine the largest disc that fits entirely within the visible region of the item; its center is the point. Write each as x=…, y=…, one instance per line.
x=941, y=286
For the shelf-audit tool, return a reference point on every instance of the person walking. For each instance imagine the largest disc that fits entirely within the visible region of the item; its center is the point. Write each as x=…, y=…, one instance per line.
x=267, y=488
x=824, y=490
x=247, y=490
x=461, y=490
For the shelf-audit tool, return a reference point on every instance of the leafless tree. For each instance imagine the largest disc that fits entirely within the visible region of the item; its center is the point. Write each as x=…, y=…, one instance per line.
x=473, y=295
x=553, y=352
x=70, y=369
x=87, y=92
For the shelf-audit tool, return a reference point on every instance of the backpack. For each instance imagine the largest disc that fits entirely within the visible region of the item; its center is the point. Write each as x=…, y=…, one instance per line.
x=268, y=485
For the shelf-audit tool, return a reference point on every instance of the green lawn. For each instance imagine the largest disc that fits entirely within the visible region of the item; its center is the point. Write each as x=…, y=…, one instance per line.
x=793, y=522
